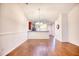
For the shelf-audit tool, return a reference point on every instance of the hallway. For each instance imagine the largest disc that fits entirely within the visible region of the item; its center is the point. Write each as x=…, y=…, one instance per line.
x=39, y=29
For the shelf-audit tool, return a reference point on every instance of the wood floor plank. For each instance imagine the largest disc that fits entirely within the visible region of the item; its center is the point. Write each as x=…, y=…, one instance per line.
x=62, y=49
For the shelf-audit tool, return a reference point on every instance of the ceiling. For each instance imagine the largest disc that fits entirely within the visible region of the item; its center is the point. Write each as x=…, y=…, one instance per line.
x=48, y=11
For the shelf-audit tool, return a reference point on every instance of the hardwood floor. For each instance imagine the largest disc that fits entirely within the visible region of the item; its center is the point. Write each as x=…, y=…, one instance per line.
x=62, y=49
x=26, y=49
x=65, y=49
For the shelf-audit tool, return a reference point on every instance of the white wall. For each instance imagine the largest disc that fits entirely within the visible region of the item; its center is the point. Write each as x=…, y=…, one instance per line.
x=38, y=35
x=12, y=27
x=62, y=33
x=73, y=23
x=50, y=29
x=53, y=29
x=58, y=32
x=64, y=27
